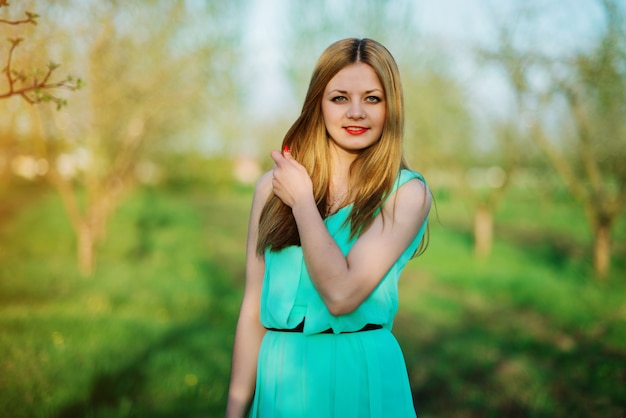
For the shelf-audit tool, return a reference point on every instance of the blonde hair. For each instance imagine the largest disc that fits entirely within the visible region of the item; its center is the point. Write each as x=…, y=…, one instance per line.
x=374, y=171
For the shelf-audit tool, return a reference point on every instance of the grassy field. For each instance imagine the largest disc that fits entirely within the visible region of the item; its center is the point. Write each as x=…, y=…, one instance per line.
x=527, y=332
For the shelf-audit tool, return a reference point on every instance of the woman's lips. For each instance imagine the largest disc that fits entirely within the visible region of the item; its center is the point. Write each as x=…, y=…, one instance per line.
x=355, y=130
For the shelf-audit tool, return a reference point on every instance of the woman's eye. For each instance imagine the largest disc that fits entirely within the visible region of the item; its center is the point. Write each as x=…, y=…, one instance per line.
x=373, y=99
x=339, y=99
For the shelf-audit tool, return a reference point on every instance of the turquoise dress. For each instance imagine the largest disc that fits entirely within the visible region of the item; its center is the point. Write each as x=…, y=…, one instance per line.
x=313, y=375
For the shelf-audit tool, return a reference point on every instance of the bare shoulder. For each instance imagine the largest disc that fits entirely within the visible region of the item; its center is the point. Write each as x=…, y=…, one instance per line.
x=263, y=187
x=262, y=192
x=411, y=200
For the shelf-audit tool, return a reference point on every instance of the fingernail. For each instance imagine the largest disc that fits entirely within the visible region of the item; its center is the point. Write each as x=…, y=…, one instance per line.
x=286, y=149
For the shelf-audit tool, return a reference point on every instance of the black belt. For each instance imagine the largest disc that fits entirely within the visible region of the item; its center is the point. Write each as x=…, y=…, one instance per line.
x=300, y=328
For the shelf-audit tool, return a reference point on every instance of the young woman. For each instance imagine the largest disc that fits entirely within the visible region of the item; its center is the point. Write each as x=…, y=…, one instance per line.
x=331, y=228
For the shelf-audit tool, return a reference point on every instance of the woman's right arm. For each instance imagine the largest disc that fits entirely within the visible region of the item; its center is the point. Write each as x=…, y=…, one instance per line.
x=249, y=332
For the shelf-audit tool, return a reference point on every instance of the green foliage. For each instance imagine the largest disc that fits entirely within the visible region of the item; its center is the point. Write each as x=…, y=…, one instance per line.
x=151, y=331
x=150, y=334
x=524, y=333
x=186, y=171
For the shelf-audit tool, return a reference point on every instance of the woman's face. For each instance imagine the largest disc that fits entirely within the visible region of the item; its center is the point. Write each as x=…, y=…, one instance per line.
x=354, y=108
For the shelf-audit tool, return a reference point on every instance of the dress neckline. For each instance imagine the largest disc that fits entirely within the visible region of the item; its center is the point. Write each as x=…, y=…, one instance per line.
x=349, y=205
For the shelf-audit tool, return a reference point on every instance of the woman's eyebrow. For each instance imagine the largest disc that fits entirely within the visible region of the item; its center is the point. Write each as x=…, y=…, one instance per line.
x=346, y=92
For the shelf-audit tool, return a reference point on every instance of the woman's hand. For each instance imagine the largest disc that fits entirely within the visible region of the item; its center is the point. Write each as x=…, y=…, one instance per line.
x=290, y=180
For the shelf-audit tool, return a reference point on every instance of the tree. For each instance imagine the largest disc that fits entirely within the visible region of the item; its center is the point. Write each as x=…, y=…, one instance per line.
x=158, y=74
x=590, y=89
x=594, y=91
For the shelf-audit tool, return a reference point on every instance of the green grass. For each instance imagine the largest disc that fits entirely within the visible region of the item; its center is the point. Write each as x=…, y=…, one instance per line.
x=148, y=335
x=522, y=333
x=526, y=332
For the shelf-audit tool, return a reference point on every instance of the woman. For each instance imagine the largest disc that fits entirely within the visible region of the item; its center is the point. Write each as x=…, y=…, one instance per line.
x=331, y=228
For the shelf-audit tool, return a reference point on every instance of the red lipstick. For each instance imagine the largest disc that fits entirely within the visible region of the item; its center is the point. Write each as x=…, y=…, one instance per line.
x=355, y=130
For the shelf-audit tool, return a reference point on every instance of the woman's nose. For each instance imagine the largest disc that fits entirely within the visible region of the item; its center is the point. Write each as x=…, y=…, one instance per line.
x=356, y=111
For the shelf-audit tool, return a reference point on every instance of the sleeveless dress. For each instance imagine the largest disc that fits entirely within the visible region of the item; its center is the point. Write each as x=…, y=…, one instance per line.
x=340, y=375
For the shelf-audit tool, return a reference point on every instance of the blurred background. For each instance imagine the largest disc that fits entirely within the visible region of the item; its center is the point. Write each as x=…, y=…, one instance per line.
x=131, y=136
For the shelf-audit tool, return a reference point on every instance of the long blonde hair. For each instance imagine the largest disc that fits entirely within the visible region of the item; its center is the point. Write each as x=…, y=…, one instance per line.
x=372, y=174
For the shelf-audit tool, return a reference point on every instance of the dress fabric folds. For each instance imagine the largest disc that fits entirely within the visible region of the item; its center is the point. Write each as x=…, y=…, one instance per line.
x=344, y=374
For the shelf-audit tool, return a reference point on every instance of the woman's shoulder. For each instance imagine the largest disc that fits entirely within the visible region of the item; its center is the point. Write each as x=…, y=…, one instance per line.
x=411, y=192
x=414, y=181
x=408, y=174
x=263, y=187
x=265, y=181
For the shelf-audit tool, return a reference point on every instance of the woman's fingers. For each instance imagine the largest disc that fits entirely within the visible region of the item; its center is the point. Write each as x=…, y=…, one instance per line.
x=291, y=181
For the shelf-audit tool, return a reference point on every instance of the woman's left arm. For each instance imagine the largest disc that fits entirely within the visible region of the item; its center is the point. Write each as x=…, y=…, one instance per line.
x=344, y=282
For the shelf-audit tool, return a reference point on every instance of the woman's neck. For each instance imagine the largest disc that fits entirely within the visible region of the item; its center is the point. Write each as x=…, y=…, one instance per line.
x=339, y=193
x=340, y=163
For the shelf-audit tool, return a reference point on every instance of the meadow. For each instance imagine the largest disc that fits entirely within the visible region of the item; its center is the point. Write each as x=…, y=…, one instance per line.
x=527, y=332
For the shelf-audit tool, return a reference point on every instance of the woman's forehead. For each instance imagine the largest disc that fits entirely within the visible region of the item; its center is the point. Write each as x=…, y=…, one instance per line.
x=359, y=77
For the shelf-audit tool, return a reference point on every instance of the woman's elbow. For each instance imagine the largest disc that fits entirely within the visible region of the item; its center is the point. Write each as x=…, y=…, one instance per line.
x=341, y=306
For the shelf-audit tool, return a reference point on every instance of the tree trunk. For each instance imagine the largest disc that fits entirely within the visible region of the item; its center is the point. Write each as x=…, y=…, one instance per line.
x=483, y=231
x=85, y=248
x=602, y=249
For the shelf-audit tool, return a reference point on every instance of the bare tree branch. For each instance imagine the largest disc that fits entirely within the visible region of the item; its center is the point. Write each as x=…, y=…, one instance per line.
x=30, y=18
x=32, y=87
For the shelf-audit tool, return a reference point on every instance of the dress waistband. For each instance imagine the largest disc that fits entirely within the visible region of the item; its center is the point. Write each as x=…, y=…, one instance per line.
x=300, y=328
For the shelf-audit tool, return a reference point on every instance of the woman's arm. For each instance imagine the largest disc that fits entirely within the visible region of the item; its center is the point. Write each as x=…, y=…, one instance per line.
x=249, y=332
x=344, y=282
